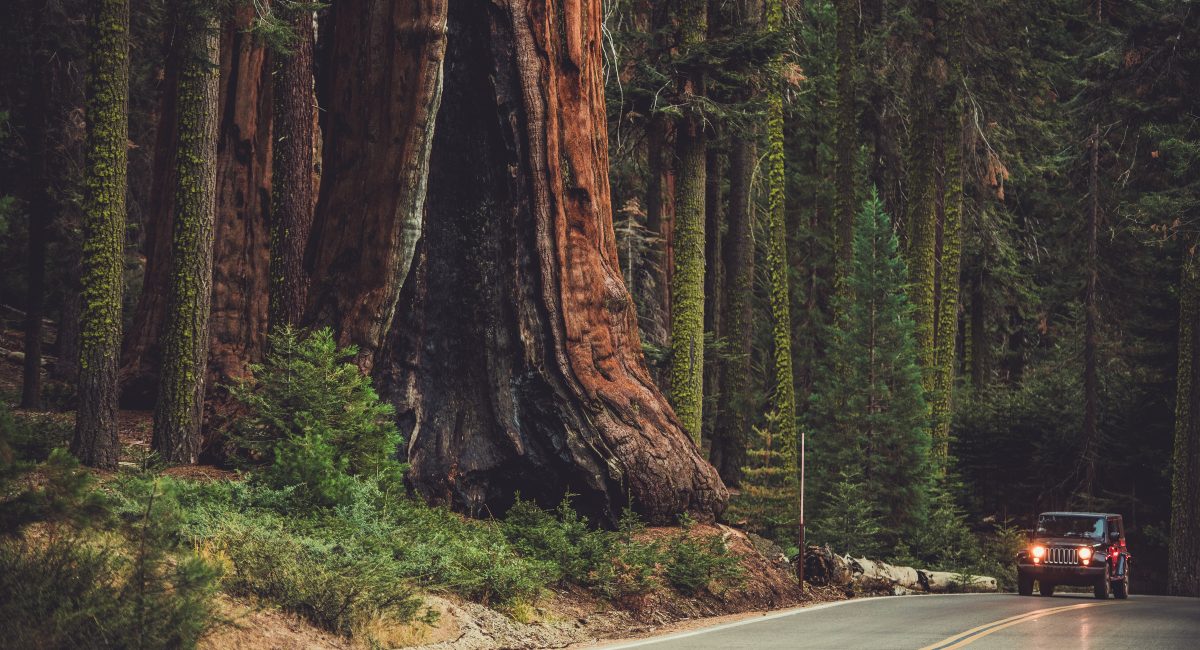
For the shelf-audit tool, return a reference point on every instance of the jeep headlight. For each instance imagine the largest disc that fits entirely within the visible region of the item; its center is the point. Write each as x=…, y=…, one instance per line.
x=1085, y=555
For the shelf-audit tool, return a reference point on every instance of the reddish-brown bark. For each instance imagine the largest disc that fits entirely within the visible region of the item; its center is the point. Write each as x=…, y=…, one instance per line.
x=383, y=90
x=238, y=317
x=516, y=361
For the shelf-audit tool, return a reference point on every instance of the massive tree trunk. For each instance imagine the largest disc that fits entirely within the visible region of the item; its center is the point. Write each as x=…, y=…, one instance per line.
x=178, y=410
x=237, y=326
x=687, y=282
x=1183, y=577
x=292, y=181
x=385, y=90
x=518, y=363
x=95, y=441
x=241, y=253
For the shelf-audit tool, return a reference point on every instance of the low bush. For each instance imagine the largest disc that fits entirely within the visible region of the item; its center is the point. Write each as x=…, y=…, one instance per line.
x=312, y=419
x=70, y=585
x=695, y=563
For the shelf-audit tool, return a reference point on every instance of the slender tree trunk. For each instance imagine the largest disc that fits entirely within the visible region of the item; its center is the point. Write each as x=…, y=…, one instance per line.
x=241, y=251
x=386, y=89
x=980, y=351
x=777, y=251
x=1183, y=577
x=178, y=411
x=140, y=350
x=949, y=260
x=95, y=441
x=714, y=279
x=39, y=206
x=687, y=283
x=1091, y=397
x=731, y=432
x=292, y=181
x=660, y=211
x=518, y=364
x=847, y=133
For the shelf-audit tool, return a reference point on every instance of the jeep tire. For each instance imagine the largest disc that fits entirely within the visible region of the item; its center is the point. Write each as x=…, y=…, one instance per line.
x=1101, y=589
x=1045, y=588
x=1120, y=588
x=1024, y=584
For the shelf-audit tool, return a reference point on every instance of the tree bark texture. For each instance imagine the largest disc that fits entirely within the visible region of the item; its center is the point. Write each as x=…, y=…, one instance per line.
x=140, y=350
x=179, y=408
x=385, y=91
x=241, y=251
x=1091, y=382
x=292, y=191
x=784, y=399
x=1183, y=576
x=847, y=133
x=95, y=440
x=39, y=206
x=517, y=361
x=731, y=431
x=714, y=279
x=687, y=281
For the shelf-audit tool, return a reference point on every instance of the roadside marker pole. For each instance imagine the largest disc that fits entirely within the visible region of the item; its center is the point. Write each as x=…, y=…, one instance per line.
x=800, y=557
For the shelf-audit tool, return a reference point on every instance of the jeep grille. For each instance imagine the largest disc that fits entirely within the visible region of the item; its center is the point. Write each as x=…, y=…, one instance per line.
x=1061, y=555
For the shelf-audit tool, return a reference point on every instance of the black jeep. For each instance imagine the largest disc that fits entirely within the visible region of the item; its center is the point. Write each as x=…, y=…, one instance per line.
x=1081, y=549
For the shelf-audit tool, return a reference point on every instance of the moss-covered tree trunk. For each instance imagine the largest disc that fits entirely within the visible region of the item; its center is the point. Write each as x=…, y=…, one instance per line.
x=95, y=441
x=516, y=362
x=934, y=218
x=292, y=180
x=784, y=398
x=241, y=252
x=714, y=279
x=1183, y=577
x=178, y=410
x=687, y=282
x=385, y=91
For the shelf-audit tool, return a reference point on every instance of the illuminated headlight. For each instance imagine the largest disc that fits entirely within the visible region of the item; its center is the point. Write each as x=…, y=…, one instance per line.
x=1038, y=553
x=1085, y=555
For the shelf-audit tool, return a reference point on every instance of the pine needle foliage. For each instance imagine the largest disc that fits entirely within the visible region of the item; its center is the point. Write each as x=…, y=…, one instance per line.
x=868, y=408
x=312, y=419
x=769, y=498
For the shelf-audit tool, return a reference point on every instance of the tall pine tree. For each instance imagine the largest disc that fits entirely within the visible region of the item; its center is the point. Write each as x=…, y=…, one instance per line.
x=868, y=407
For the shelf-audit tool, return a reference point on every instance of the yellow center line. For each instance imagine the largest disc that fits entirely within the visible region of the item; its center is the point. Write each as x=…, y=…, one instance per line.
x=963, y=639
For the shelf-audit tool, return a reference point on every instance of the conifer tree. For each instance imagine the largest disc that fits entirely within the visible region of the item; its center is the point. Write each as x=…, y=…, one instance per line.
x=868, y=409
x=177, y=413
x=768, y=499
x=687, y=283
x=1184, y=555
x=95, y=442
x=784, y=401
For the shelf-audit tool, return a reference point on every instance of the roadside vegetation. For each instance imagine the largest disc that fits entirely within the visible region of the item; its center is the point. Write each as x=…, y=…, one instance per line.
x=318, y=523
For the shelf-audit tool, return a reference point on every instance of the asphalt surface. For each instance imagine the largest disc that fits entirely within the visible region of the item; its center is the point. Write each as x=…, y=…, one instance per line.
x=981, y=622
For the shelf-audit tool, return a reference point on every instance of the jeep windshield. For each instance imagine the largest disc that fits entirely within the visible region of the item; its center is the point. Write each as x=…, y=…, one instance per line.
x=1071, y=526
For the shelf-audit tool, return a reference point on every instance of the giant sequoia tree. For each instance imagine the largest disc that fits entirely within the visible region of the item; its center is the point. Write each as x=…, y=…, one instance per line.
x=95, y=441
x=516, y=360
x=385, y=89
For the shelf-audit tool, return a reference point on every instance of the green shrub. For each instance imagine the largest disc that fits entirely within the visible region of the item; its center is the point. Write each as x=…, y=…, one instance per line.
x=693, y=563
x=577, y=553
x=69, y=587
x=312, y=418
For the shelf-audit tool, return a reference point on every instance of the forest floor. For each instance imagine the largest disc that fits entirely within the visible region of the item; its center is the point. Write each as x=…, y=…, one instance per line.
x=561, y=617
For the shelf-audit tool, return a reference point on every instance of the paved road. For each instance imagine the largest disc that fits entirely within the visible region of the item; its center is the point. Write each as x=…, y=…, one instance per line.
x=983, y=622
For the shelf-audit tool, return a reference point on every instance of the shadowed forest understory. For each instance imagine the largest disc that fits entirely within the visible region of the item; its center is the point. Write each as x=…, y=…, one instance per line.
x=387, y=315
